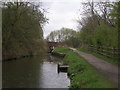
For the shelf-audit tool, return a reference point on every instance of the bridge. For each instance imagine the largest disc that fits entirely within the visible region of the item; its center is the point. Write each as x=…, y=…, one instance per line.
x=56, y=44
x=51, y=45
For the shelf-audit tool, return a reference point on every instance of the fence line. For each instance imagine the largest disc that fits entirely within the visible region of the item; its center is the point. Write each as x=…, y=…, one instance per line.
x=106, y=51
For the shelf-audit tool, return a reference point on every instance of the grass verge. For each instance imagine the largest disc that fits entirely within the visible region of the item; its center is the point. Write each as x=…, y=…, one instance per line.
x=112, y=61
x=82, y=74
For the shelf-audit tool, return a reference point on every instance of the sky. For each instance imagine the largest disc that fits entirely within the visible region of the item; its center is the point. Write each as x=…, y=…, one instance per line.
x=62, y=13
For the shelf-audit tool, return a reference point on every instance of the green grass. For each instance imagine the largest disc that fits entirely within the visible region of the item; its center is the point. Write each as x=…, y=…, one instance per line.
x=82, y=74
x=61, y=49
x=112, y=61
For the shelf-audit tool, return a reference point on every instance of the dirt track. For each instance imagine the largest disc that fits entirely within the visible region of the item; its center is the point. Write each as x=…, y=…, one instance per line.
x=107, y=69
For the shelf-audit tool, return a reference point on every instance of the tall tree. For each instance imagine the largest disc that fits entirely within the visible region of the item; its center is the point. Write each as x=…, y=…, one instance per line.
x=21, y=29
x=98, y=25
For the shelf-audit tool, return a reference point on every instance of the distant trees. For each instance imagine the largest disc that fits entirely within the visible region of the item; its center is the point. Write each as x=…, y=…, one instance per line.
x=61, y=35
x=22, y=29
x=64, y=35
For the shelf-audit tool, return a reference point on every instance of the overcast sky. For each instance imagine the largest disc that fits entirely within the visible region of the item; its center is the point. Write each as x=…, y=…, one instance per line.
x=62, y=13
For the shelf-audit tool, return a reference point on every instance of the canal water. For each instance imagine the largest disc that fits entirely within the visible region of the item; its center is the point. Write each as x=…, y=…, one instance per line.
x=34, y=72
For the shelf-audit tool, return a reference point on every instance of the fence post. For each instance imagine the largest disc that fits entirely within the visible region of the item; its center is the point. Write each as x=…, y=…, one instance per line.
x=110, y=52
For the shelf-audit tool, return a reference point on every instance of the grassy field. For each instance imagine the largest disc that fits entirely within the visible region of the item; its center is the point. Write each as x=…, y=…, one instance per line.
x=112, y=61
x=82, y=74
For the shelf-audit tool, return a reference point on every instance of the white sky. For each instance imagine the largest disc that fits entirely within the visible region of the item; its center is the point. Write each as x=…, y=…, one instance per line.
x=62, y=13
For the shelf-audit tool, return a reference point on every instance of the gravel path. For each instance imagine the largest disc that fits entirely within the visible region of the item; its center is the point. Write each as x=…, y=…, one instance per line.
x=107, y=69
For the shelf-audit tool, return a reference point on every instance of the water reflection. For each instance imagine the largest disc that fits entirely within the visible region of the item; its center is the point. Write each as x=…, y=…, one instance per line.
x=35, y=72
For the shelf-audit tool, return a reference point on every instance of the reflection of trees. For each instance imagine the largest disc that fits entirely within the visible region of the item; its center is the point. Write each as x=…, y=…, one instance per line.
x=24, y=73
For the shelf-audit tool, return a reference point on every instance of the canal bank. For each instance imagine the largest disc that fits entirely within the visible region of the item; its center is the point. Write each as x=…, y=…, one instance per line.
x=81, y=73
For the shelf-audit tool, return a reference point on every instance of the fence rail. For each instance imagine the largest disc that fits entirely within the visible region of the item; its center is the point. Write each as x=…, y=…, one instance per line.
x=106, y=51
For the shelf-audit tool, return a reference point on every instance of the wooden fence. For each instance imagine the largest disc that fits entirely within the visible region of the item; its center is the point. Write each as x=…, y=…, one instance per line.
x=106, y=51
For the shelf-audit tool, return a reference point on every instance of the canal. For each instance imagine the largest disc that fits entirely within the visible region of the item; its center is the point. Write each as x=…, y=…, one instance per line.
x=34, y=72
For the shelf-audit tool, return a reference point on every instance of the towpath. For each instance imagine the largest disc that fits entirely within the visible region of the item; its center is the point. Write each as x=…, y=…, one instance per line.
x=107, y=69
